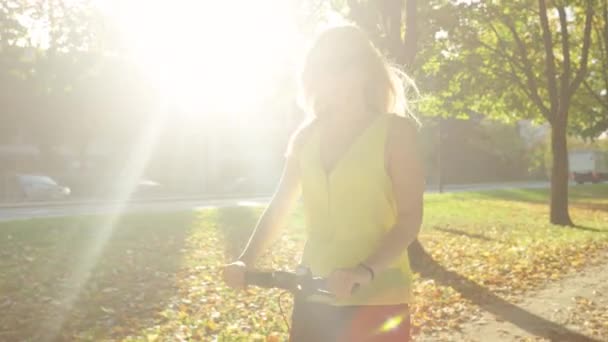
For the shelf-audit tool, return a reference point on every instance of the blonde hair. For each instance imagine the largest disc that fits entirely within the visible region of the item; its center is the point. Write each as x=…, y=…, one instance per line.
x=346, y=48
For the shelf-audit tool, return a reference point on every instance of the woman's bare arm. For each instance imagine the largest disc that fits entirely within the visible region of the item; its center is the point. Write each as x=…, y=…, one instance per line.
x=273, y=218
x=282, y=203
x=407, y=175
x=275, y=215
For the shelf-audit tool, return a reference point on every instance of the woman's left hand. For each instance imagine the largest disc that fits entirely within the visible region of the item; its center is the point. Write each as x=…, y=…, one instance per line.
x=342, y=281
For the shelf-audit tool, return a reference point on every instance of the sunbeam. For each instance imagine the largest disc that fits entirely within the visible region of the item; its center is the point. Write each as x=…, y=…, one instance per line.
x=127, y=181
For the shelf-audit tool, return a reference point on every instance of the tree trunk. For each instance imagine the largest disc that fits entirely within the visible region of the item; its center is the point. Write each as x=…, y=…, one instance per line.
x=559, y=174
x=410, y=41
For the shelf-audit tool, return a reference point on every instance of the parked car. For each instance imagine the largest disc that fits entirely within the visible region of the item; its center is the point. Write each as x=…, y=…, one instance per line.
x=588, y=166
x=146, y=188
x=41, y=188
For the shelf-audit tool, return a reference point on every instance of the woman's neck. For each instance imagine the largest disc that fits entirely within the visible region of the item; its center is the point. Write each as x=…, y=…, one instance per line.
x=347, y=117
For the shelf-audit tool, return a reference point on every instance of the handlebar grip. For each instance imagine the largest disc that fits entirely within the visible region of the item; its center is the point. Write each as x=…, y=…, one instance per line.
x=290, y=281
x=276, y=279
x=261, y=279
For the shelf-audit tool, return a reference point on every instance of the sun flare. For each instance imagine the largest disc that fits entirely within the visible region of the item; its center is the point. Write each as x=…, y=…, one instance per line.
x=208, y=55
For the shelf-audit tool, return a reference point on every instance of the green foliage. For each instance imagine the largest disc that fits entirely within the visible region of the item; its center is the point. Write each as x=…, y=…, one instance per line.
x=598, y=144
x=71, y=79
x=67, y=84
x=592, y=101
x=476, y=151
x=543, y=150
x=478, y=67
x=467, y=58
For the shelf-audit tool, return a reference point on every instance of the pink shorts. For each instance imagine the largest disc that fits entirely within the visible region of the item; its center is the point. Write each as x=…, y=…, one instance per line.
x=323, y=322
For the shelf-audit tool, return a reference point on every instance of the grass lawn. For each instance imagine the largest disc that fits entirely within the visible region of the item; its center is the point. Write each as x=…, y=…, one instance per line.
x=154, y=277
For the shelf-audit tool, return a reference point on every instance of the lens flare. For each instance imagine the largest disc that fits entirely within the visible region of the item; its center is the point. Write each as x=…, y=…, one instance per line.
x=391, y=324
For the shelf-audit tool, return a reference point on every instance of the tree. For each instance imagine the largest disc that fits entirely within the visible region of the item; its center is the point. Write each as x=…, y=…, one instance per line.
x=38, y=74
x=74, y=79
x=12, y=67
x=516, y=61
x=385, y=21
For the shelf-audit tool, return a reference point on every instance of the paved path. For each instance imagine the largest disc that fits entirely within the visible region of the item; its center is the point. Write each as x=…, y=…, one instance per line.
x=8, y=214
x=26, y=211
x=574, y=309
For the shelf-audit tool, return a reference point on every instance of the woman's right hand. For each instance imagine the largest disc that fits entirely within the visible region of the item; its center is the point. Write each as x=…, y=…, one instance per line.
x=234, y=275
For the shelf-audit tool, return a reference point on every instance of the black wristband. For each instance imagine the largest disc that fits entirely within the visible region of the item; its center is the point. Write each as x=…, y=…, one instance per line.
x=369, y=269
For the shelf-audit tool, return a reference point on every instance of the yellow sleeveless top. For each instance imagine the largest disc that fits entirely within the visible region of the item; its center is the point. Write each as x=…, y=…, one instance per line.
x=348, y=212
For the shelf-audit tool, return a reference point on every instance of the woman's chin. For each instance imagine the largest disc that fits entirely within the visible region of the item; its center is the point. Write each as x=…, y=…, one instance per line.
x=325, y=111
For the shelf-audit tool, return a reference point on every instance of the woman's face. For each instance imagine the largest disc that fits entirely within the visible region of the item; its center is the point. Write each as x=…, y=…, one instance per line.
x=337, y=93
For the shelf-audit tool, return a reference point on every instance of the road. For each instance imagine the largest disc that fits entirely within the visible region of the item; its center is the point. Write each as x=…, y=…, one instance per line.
x=26, y=212
x=19, y=213
x=493, y=186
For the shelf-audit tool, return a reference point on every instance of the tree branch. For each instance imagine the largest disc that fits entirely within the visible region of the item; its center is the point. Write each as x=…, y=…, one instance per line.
x=604, y=39
x=582, y=71
x=565, y=79
x=501, y=53
x=601, y=31
x=530, y=88
x=391, y=18
x=527, y=68
x=599, y=99
x=602, y=45
x=410, y=41
x=605, y=17
x=549, y=56
x=517, y=79
x=533, y=97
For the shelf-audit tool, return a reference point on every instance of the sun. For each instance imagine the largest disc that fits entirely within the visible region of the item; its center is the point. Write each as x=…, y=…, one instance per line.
x=208, y=55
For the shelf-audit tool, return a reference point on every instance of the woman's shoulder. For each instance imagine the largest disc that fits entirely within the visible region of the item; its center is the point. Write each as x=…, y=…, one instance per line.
x=402, y=145
x=300, y=136
x=403, y=126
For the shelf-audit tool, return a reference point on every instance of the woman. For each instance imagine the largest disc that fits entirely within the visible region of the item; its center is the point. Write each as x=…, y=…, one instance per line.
x=356, y=166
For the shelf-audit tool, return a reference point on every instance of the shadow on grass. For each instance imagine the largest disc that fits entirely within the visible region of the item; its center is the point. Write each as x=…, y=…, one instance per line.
x=535, y=196
x=464, y=233
x=589, y=229
x=427, y=267
x=577, y=194
x=124, y=290
x=591, y=206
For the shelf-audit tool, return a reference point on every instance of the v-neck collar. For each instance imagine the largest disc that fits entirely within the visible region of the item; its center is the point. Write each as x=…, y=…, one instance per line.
x=328, y=172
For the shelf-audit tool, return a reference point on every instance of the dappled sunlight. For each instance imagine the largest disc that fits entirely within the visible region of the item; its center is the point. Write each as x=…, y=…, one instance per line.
x=203, y=307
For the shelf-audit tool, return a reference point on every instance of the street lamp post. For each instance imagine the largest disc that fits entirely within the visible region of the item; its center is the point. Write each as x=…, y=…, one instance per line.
x=440, y=155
